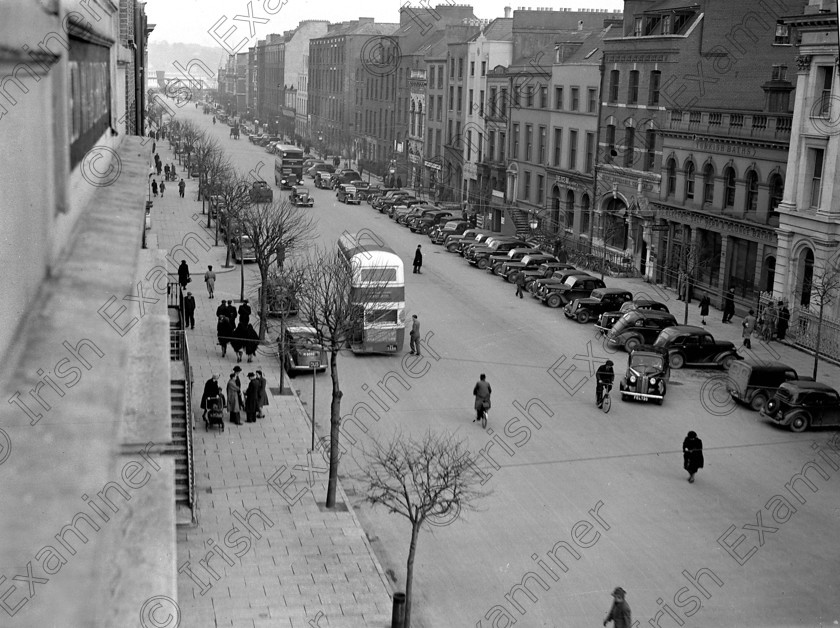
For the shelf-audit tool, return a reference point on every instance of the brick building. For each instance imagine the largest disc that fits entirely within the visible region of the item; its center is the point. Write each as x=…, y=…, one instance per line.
x=694, y=130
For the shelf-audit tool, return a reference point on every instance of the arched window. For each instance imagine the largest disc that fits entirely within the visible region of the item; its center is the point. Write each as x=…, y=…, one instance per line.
x=689, y=180
x=413, y=122
x=708, y=183
x=777, y=192
x=729, y=187
x=752, y=191
x=420, y=119
x=671, y=187
x=584, y=214
x=570, y=209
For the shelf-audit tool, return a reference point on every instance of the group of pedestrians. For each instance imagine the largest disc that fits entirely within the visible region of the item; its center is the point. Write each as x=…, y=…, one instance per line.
x=253, y=401
x=241, y=336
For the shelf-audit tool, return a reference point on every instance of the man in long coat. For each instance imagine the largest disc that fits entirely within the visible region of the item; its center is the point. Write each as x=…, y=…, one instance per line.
x=263, y=394
x=252, y=399
x=233, y=393
x=418, y=260
x=482, y=392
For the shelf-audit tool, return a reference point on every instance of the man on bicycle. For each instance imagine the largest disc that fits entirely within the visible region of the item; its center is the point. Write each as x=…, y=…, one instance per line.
x=482, y=392
x=604, y=377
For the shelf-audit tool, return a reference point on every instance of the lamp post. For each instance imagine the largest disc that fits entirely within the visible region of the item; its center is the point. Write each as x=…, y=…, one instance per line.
x=533, y=222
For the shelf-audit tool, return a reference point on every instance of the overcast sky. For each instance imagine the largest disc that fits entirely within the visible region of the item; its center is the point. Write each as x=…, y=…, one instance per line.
x=191, y=21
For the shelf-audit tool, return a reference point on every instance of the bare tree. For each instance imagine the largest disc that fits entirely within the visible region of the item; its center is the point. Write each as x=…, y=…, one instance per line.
x=325, y=303
x=432, y=478
x=232, y=191
x=824, y=288
x=274, y=229
x=690, y=263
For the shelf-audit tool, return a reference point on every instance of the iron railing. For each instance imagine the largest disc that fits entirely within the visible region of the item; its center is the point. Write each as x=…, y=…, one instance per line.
x=802, y=332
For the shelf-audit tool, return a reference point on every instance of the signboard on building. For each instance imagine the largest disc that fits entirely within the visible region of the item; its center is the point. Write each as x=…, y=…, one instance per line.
x=714, y=146
x=433, y=166
x=415, y=159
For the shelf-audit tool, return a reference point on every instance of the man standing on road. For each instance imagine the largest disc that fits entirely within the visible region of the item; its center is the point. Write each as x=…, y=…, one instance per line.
x=619, y=614
x=189, y=311
x=414, y=335
x=481, y=391
x=520, y=283
x=418, y=260
x=181, y=187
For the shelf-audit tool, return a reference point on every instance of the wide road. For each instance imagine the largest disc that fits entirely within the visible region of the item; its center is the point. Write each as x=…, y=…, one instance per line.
x=579, y=502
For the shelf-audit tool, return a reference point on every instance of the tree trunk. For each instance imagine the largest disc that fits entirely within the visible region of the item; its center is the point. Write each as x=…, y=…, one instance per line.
x=335, y=423
x=227, y=243
x=263, y=302
x=685, y=302
x=409, y=570
x=819, y=335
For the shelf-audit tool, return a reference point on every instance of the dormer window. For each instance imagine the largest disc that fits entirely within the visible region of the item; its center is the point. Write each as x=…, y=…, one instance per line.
x=782, y=34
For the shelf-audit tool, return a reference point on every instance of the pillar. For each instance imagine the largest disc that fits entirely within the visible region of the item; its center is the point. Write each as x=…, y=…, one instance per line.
x=723, y=270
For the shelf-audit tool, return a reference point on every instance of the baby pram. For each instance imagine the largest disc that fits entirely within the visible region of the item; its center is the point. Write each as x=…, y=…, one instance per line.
x=215, y=413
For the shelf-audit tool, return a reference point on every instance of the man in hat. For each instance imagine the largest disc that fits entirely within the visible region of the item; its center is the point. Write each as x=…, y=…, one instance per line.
x=604, y=377
x=189, y=310
x=418, y=260
x=414, y=335
x=619, y=614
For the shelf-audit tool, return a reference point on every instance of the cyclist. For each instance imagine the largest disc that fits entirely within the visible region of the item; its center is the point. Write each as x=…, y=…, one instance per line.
x=604, y=377
x=482, y=392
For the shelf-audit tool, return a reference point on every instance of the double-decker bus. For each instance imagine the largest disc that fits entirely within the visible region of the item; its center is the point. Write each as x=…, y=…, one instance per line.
x=378, y=289
x=288, y=166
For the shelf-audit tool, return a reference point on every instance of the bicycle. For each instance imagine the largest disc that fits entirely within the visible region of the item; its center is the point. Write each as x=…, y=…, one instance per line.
x=606, y=403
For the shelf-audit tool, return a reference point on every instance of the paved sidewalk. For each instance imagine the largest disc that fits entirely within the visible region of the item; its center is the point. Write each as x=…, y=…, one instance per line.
x=265, y=552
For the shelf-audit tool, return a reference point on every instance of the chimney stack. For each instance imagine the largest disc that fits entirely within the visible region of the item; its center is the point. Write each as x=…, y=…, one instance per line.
x=507, y=11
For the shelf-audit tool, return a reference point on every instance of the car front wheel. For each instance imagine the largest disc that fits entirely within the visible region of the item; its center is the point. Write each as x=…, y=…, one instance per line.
x=677, y=361
x=553, y=301
x=583, y=317
x=631, y=344
x=758, y=402
x=799, y=422
x=481, y=264
x=727, y=362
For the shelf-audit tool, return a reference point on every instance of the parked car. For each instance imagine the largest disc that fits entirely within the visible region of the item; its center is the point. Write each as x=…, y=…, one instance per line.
x=556, y=278
x=242, y=249
x=387, y=194
x=608, y=319
x=544, y=271
x=443, y=230
x=456, y=243
x=261, y=192
x=647, y=375
x=497, y=261
x=755, y=384
x=639, y=327
x=288, y=181
x=431, y=220
x=575, y=287
x=300, y=196
x=347, y=194
x=269, y=148
x=256, y=137
x=585, y=310
x=479, y=256
x=800, y=405
x=343, y=176
x=362, y=188
x=510, y=270
x=311, y=161
x=406, y=206
x=313, y=171
x=387, y=203
x=694, y=346
x=300, y=347
x=486, y=243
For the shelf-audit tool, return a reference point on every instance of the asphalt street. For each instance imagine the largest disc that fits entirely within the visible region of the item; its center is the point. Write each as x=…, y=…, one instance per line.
x=580, y=502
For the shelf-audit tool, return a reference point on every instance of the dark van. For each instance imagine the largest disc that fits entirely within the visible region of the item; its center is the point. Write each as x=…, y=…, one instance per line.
x=639, y=327
x=755, y=384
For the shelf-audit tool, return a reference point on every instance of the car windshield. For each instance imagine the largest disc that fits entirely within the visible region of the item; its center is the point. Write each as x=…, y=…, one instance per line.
x=570, y=281
x=665, y=337
x=654, y=361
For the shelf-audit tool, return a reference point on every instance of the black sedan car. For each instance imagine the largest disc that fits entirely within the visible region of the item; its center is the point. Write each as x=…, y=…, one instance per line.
x=601, y=300
x=647, y=375
x=694, y=346
x=801, y=404
x=300, y=349
x=608, y=319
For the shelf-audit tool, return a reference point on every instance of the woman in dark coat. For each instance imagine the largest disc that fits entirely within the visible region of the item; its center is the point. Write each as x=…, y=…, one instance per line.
x=705, y=302
x=224, y=332
x=183, y=274
x=782, y=321
x=692, y=454
x=211, y=389
x=238, y=340
x=252, y=399
x=263, y=395
x=252, y=341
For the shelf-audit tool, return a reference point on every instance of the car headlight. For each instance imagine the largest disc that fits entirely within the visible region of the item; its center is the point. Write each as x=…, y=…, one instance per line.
x=653, y=381
x=632, y=379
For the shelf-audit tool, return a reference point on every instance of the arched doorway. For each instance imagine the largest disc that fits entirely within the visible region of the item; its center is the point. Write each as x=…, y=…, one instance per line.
x=805, y=276
x=570, y=210
x=768, y=274
x=555, y=209
x=614, y=224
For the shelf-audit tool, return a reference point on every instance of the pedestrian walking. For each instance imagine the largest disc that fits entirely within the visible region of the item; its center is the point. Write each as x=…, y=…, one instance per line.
x=162, y=188
x=482, y=392
x=154, y=144
x=154, y=187
x=184, y=274
x=244, y=312
x=252, y=341
x=692, y=455
x=252, y=399
x=210, y=280
x=238, y=338
x=189, y=311
x=233, y=393
x=418, y=260
x=704, y=307
x=166, y=171
x=231, y=314
x=619, y=614
x=263, y=394
x=158, y=167
x=414, y=335
x=520, y=284
x=771, y=315
x=181, y=187
x=729, y=306
x=211, y=389
x=399, y=181
x=224, y=333
x=748, y=327
x=783, y=320
x=222, y=309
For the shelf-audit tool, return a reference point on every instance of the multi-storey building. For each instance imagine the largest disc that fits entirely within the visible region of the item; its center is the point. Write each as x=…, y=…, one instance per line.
x=271, y=62
x=303, y=128
x=416, y=122
x=435, y=65
x=694, y=130
x=808, y=254
x=337, y=63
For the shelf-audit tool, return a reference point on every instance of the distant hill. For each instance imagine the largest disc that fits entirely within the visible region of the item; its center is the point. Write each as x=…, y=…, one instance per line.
x=162, y=56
